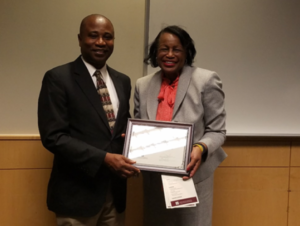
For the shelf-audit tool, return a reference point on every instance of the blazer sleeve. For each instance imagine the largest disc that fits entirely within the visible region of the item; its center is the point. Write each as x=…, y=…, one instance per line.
x=214, y=114
x=54, y=127
x=136, y=111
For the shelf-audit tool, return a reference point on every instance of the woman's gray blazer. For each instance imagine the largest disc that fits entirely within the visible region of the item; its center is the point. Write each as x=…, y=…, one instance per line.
x=199, y=100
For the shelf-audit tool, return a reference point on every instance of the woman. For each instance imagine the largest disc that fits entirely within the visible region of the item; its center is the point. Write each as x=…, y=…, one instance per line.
x=180, y=92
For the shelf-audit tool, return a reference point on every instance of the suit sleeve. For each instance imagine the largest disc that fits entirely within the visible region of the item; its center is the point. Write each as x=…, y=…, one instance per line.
x=137, y=101
x=54, y=127
x=214, y=114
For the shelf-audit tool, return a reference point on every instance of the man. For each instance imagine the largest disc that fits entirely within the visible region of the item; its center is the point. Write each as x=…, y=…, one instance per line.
x=82, y=114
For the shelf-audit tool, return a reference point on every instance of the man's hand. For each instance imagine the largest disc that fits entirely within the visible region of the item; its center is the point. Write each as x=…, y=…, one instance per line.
x=195, y=162
x=121, y=165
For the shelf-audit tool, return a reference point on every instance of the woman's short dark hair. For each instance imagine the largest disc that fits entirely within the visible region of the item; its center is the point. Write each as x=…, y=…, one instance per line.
x=185, y=40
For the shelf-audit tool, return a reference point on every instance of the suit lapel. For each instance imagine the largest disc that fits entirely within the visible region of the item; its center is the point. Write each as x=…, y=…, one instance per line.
x=153, y=91
x=184, y=82
x=83, y=79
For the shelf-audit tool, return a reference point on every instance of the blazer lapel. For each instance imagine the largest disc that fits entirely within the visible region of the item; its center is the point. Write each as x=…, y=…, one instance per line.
x=153, y=91
x=184, y=82
x=87, y=86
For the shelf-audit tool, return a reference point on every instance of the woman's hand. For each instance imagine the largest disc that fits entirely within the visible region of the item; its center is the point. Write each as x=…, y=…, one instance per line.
x=195, y=162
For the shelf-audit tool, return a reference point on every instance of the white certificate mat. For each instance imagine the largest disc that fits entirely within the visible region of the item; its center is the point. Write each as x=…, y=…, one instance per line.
x=158, y=146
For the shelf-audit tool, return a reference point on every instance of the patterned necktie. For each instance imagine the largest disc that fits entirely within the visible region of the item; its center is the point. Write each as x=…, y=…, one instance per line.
x=105, y=99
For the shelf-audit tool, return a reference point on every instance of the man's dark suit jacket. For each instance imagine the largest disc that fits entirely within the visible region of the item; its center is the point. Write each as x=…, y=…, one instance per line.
x=73, y=126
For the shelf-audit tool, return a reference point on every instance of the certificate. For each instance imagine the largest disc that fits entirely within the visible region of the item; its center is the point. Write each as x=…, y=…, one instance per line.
x=159, y=146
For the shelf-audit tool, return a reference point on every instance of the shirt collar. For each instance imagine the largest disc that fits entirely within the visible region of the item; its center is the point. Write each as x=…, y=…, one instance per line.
x=92, y=69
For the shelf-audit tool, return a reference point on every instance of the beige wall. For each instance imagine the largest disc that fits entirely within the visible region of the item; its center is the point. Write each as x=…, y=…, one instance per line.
x=258, y=184
x=39, y=35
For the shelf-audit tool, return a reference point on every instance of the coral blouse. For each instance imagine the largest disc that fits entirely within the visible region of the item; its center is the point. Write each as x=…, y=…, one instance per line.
x=166, y=99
